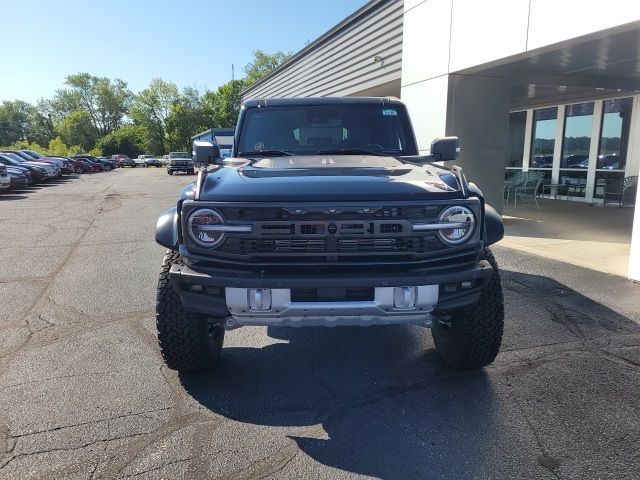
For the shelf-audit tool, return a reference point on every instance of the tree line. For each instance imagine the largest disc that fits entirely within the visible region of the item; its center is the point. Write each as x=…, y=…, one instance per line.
x=103, y=116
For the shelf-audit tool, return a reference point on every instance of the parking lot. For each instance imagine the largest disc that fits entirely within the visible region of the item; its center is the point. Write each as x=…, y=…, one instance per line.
x=84, y=392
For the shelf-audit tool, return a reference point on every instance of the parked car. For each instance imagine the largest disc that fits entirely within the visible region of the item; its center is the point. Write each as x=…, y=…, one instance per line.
x=164, y=160
x=180, y=162
x=123, y=160
x=77, y=166
x=107, y=165
x=141, y=161
x=21, y=172
x=37, y=156
x=38, y=172
x=349, y=225
x=18, y=180
x=5, y=180
x=57, y=167
x=150, y=161
x=47, y=170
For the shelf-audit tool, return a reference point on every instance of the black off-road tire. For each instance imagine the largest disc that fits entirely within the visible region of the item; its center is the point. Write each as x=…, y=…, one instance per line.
x=189, y=342
x=169, y=172
x=473, y=337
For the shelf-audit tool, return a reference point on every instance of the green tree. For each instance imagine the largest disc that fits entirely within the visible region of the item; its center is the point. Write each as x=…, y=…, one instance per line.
x=151, y=107
x=42, y=127
x=15, y=121
x=187, y=117
x=132, y=140
x=57, y=147
x=77, y=129
x=262, y=64
x=105, y=101
x=223, y=105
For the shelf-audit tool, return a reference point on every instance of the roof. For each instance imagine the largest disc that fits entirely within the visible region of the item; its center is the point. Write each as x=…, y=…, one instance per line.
x=280, y=102
x=223, y=132
x=362, y=11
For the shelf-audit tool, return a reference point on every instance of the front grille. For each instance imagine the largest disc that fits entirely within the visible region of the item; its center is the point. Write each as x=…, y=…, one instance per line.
x=181, y=163
x=340, y=246
x=332, y=235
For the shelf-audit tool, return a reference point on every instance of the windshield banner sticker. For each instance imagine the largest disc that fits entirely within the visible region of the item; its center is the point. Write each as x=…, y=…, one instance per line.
x=390, y=112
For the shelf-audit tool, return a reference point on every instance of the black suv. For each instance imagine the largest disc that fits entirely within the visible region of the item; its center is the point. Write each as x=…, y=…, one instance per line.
x=327, y=215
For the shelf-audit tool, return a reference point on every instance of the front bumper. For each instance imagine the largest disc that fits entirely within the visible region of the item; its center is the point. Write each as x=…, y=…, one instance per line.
x=225, y=294
x=180, y=168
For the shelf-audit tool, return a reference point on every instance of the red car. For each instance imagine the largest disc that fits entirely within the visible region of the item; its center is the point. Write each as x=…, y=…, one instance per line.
x=82, y=166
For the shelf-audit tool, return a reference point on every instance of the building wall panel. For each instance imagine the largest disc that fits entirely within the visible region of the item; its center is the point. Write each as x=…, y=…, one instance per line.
x=344, y=62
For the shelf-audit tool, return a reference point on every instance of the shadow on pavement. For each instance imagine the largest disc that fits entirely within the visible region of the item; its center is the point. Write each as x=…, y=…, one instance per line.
x=13, y=196
x=388, y=407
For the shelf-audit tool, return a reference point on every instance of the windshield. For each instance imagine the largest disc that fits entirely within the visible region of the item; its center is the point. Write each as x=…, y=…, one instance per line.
x=33, y=154
x=14, y=156
x=180, y=155
x=336, y=129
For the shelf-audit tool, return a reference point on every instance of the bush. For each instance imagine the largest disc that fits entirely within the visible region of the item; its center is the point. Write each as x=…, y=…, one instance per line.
x=130, y=140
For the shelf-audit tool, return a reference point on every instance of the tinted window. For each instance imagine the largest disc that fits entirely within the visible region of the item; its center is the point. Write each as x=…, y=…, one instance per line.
x=543, y=140
x=614, y=135
x=310, y=129
x=578, y=124
x=517, y=125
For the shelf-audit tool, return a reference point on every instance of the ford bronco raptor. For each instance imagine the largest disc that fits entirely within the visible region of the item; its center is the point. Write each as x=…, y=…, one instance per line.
x=326, y=214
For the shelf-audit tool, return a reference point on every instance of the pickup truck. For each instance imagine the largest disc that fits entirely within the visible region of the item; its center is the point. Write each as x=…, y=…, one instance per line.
x=326, y=215
x=180, y=162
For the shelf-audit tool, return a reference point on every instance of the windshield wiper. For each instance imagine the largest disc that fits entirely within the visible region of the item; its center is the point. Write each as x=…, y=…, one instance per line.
x=350, y=151
x=265, y=153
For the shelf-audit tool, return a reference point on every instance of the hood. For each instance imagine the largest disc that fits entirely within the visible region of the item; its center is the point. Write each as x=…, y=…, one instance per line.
x=329, y=178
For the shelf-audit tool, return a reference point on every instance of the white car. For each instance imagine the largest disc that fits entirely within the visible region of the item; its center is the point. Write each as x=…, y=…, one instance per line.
x=5, y=181
x=141, y=161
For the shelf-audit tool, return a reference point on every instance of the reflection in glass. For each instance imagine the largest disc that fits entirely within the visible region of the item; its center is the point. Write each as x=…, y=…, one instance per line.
x=577, y=135
x=543, y=139
x=574, y=184
x=614, y=135
x=517, y=125
x=602, y=179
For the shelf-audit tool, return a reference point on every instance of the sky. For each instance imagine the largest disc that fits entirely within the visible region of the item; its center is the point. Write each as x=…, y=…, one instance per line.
x=189, y=42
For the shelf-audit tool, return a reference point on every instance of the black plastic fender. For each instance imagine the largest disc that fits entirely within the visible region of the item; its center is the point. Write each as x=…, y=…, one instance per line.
x=167, y=228
x=493, y=225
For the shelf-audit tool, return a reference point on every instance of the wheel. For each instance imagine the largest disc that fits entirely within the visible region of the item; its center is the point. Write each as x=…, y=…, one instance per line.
x=107, y=168
x=169, y=172
x=134, y=165
x=145, y=165
x=472, y=339
x=191, y=172
x=78, y=170
x=189, y=342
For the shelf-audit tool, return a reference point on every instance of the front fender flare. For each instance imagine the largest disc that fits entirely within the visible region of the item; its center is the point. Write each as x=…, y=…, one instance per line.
x=167, y=229
x=494, y=228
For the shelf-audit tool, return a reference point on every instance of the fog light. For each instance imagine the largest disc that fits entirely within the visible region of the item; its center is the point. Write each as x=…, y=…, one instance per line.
x=404, y=298
x=466, y=284
x=259, y=299
x=196, y=288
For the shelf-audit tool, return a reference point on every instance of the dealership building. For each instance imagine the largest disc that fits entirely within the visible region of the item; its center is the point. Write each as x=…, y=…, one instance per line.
x=547, y=86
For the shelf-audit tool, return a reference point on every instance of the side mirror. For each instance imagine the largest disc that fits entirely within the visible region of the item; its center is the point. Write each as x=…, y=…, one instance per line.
x=205, y=152
x=446, y=148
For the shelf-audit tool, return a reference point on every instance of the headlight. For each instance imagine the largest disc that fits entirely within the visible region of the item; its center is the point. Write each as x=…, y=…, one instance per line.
x=463, y=222
x=206, y=227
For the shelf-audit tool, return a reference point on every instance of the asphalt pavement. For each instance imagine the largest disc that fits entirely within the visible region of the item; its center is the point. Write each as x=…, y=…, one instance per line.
x=84, y=393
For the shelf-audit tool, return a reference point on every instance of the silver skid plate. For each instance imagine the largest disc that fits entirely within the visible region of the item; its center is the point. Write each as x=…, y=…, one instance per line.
x=281, y=310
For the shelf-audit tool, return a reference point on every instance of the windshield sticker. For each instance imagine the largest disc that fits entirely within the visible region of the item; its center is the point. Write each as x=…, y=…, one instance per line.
x=390, y=112
x=259, y=146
